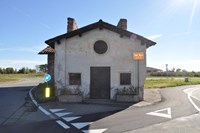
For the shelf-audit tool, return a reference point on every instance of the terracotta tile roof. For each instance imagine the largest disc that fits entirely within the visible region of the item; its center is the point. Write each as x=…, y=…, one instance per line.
x=101, y=25
x=47, y=50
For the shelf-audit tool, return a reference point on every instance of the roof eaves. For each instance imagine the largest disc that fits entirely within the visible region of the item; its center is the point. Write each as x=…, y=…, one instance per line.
x=128, y=34
x=71, y=34
x=100, y=24
x=47, y=50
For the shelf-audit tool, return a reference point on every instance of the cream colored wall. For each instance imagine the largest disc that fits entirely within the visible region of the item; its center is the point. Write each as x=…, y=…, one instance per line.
x=76, y=55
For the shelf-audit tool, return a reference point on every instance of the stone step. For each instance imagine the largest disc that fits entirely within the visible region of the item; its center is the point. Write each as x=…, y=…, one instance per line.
x=106, y=102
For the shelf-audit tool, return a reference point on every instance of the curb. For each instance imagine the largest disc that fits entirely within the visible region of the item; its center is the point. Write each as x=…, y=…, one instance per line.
x=140, y=104
x=151, y=102
x=37, y=105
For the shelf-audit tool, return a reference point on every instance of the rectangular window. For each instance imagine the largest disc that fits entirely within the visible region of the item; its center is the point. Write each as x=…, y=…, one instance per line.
x=74, y=79
x=125, y=78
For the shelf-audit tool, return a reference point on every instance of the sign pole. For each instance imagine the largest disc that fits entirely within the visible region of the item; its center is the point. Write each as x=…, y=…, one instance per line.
x=47, y=78
x=138, y=56
x=138, y=75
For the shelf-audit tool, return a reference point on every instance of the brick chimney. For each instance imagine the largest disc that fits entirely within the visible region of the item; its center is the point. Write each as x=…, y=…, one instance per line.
x=122, y=24
x=71, y=24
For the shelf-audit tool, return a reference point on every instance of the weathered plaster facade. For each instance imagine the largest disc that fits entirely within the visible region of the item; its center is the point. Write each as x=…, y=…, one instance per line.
x=76, y=54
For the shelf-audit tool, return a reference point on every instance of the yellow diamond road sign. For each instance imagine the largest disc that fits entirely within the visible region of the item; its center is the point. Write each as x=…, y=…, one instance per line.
x=138, y=55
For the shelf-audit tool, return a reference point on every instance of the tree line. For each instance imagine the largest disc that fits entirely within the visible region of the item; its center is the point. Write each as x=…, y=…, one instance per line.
x=10, y=70
x=175, y=73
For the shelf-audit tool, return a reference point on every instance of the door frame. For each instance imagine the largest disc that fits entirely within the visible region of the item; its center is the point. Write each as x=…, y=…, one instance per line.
x=109, y=90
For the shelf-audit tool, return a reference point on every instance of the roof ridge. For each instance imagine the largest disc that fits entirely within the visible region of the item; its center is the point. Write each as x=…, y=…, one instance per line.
x=99, y=24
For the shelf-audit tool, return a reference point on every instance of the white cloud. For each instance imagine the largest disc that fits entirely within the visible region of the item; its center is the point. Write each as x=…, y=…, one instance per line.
x=34, y=49
x=153, y=37
x=192, y=14
x=189, y=65
x=20, y=63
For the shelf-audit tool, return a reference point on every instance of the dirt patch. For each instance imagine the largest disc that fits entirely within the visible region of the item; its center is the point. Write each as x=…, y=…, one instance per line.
x=23, y=82
x=151, y=96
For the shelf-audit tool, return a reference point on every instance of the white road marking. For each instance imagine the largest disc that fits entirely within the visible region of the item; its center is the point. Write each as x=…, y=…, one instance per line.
x=43, y=110
x=56, y=110
x=94, y=131
x=188, y=90
x=195, y=97
x=63, y=114
x=155, y=113
x=81, y=124
x=62, y=124
x=189, y=97
x=70, y=118
x=32, y=98
x=36, y=104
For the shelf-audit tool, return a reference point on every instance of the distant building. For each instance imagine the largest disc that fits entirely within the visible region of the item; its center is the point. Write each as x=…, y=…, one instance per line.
x=37, y=68
x=151, y=69
x=98, y=58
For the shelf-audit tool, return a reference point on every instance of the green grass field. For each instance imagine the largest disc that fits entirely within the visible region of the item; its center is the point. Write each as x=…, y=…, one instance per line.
x=162, y=82
x=15, y=77
x=150, y=82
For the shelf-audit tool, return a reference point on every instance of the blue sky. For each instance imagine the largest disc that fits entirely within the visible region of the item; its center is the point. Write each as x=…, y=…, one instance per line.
x=173, y=24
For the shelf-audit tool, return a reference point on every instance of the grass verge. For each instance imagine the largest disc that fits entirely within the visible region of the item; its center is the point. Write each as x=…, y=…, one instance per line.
x=163, y=82
x=15, y=77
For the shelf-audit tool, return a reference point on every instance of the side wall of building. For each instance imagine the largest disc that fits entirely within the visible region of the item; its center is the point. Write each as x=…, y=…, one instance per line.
x=50, y=59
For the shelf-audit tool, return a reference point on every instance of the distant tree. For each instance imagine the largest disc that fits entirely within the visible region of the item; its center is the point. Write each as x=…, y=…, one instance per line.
x=26, y=70
x=9, y=70
x=173, y=70
x=1, y=70
x=4, y=71
x=22, y=70
x=178, y=70
x=184, y=71
x=32, y=71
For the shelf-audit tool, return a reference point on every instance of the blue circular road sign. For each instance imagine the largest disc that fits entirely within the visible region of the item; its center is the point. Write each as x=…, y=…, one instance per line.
x=47, y=77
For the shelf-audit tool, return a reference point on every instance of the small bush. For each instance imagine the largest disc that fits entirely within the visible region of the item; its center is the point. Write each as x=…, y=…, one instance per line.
x=68, y=91
x=131, y=90
x=39, y=92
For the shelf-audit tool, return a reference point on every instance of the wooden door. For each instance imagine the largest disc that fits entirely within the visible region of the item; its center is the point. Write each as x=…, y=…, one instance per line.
x=100, y=82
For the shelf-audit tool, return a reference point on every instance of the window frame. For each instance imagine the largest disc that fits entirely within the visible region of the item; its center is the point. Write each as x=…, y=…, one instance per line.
x=123, y=81
x=78, y=78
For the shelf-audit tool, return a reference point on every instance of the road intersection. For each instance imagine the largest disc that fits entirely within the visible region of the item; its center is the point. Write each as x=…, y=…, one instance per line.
x=178, y=105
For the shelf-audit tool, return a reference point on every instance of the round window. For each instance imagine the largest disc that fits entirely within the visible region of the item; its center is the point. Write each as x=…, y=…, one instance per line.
x=100, y=47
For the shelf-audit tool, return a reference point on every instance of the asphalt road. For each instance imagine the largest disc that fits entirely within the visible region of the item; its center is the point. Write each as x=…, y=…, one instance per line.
x=175, y=104
x=18, y=113
x=12, y=101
